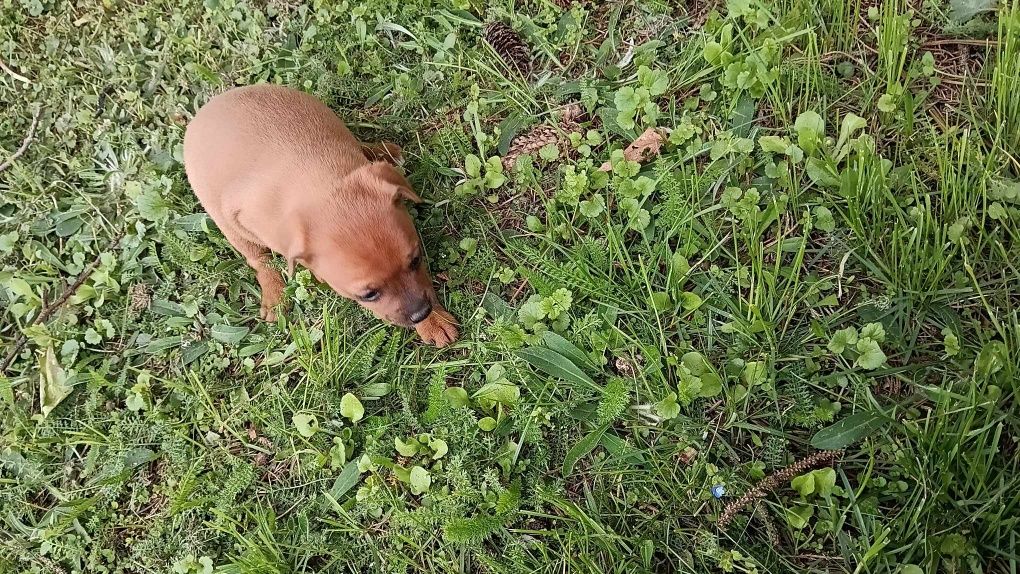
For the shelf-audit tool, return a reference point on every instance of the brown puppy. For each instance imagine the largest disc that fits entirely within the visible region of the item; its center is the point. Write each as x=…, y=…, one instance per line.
x=277, y=170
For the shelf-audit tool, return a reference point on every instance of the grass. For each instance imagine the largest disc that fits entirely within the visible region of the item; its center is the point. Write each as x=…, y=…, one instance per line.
x=824, y=256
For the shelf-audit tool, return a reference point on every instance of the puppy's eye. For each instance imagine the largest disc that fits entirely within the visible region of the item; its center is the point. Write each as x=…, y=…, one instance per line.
x=370, y=295
x=416, y=262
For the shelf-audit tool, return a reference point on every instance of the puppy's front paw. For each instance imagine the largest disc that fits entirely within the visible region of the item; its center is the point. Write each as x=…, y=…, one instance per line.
x=271, y=305
x=267, y=312
x=439, y=328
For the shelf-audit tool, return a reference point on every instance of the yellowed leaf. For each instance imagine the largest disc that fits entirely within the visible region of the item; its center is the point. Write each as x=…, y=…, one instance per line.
x=53, y=386
x=645, y=147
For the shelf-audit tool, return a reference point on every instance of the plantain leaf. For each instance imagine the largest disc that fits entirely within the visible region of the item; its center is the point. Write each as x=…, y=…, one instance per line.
x=583, y=447
x=848, y=431
x=555, y=364
x=564, y=347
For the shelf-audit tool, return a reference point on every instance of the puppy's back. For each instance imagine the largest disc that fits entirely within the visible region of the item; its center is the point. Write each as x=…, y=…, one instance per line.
x=265, y=137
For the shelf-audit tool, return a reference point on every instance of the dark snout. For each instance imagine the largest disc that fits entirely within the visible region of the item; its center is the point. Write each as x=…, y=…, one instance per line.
x=419, y=312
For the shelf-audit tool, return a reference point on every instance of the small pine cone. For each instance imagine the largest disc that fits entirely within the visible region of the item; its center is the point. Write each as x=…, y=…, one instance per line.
x=510, y=46
x=530, y=143
x=139, y=298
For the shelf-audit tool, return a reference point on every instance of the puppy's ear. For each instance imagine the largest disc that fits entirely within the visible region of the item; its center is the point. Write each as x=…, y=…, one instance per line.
x=298, y=251
x=394, y=181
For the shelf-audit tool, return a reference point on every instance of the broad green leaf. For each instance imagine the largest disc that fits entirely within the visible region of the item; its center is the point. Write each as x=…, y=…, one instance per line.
x=871, y=355
x=495, y=373
x=338, y=454
x=625, y=120
x=810, y=128
x=997, y=212
x=798, y=516
x=774, y=144
x=494, y=179
x=306, y=424
x=825, y=481
x=668, y=408
x=887, y=103
x=964, y=10
x=842, y=339
x=366, y=464
x=549, y=152
x=821, y=172
x=8, y=241
x=439, y=448
x=592, y=208
x=823, y=219
x=583, y=447
x=711, y=385
x=564, y=347
x=555, y=364
x=92, y=337
x=488, y=424
x=472, y=166
x=690, y=301
x=626, y=99
x=403, y=474
x=347, y=480
x=680, y=266
x=696, y=363
x=712, y=53
x=992, y=358
x=229, y=334
x=804, y=484
x=20, y=288
x=53, y=386
x=954, y=545
x=351, y=408
x=655, y=81
x=852, y=123
x=754, y=373
x=136, y=398
x=469, y=245
x=409, y=448
x=501, y=392
x=457, y=397
x=659, y=301
x=873, y=331
x=420, y=480
x=848, y=431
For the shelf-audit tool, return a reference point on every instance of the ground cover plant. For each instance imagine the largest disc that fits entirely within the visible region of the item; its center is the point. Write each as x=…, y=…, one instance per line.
x=779, y=334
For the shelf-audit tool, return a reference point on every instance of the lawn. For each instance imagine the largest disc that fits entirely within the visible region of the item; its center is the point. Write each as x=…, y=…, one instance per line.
x=782, y=336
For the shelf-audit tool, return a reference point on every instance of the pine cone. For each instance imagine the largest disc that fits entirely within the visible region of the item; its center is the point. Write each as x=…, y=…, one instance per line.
x=543, y=135
x=510, y=47
x=529, y=144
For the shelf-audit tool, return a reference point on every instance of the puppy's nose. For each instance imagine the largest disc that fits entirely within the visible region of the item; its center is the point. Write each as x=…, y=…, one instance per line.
x=419, y=314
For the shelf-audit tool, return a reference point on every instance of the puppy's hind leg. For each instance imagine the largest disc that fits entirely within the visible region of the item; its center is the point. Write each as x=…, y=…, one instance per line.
x=270, y=281
x=383, y=151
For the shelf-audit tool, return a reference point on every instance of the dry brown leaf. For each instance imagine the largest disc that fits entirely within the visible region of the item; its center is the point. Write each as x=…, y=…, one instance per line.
x=644, y=148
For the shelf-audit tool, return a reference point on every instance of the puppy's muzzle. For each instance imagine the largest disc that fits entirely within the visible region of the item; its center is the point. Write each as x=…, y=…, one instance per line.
x=418, y=315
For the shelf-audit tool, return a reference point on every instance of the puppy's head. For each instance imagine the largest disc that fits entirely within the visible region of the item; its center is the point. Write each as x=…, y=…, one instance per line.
x=366, y=247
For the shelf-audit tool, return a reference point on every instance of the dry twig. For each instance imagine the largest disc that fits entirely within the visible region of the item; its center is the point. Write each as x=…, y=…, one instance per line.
x=13, y=74
x=52, y=308
x=24, y=144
